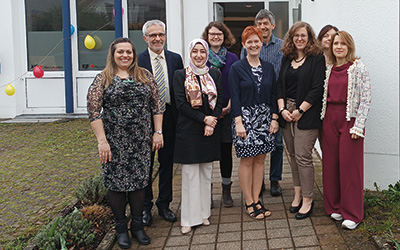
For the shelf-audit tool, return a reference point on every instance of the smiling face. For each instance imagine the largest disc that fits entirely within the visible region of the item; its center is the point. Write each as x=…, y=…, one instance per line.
x=266, y=27
x=339, y=48
x=198, y=55
x=253, y=45
x=215, y=38
x=123, y=55
x=326, y=39
x=155, y=38
x=300, y=38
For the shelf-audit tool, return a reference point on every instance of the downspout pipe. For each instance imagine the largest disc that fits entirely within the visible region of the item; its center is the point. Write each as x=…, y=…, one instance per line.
x=118, y=18
x=69, y=95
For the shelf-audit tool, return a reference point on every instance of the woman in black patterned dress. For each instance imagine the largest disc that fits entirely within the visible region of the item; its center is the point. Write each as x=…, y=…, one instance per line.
x=253, y=102
x=120, y=102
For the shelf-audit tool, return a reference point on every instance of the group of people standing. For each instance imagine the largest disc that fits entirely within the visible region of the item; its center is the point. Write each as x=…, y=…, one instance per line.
x=148, y=102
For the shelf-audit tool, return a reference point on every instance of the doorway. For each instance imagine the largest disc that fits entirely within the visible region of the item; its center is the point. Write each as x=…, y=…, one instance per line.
x=238, y=15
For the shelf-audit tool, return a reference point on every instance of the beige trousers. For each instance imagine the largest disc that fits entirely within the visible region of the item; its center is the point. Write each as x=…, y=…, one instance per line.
x=300, y=144
x=196, y=193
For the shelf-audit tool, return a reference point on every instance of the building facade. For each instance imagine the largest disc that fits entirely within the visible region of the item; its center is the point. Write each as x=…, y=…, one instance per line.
x=32, y=35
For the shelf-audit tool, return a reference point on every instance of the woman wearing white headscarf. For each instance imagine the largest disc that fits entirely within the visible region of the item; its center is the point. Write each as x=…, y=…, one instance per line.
x=198, y=95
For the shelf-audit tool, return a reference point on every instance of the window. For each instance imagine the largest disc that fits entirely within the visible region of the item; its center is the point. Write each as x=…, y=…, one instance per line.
x=44, y=32
x=139, y=12
x=95, y=18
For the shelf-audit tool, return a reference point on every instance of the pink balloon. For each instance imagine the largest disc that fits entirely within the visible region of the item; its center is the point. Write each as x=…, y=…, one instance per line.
x=38, y=72
x=122, y=9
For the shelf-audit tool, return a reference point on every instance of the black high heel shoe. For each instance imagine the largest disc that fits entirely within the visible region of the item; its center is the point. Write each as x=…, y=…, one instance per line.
x=300, y=216
x=294, y=210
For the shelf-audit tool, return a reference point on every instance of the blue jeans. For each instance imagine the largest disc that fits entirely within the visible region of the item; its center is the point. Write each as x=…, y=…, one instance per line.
x=275, y=170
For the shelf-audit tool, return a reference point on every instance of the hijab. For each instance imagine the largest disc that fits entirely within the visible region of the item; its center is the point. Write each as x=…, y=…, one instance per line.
x=194, y=88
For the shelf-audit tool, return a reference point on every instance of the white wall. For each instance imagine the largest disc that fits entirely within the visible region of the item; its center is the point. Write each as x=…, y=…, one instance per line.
x=8, y=70
x=374, y=26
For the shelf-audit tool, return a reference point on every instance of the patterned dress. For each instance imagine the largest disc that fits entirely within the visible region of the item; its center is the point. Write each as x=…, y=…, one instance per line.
x=125, y=108
x=256, y=120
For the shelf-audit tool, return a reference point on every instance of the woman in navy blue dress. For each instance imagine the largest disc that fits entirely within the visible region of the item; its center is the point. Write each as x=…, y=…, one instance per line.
x=254, y=109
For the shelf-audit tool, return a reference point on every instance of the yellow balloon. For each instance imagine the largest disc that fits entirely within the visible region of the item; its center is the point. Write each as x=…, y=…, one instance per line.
x=98, y=42
x=10, y=90
x=89, y=42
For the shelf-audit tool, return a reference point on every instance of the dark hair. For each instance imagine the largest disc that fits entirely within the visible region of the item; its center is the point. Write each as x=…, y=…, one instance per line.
x=325, y=29
x=229, y=39
x=251, y=30
x=288, y=47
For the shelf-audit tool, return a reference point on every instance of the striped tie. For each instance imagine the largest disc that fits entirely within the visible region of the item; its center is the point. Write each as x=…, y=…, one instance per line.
x=160, y=80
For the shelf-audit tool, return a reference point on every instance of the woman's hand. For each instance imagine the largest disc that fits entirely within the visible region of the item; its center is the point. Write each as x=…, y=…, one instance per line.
x=210, y=121
x=273, y=128
x=241, y=131
x=158, y=141
x=208, y=130
x=296, y=116
x=354, y=136
x=287, y=115
x=104, y=151
x=224, y=112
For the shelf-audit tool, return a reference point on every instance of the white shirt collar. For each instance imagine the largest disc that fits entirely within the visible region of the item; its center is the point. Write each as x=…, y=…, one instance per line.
x=153, y=55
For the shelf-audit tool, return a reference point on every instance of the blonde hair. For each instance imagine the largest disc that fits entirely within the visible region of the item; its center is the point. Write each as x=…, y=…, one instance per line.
x=348, y=40
x=140, y=74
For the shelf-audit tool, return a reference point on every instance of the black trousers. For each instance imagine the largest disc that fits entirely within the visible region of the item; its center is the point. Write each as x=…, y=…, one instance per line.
x=166, y=160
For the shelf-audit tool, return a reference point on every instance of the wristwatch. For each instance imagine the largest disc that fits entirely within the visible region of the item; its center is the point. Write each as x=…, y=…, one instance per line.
x=158, y=132
x=300, y=110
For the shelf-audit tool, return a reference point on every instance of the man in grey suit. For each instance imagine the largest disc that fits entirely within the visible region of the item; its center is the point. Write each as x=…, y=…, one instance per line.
x=151, y=59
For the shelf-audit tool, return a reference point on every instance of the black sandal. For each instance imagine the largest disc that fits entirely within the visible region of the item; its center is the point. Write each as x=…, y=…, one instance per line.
x=262, y=209
x=255, y=213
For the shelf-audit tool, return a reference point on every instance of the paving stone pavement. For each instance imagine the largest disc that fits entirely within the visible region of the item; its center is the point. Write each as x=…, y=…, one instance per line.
x=231, y=228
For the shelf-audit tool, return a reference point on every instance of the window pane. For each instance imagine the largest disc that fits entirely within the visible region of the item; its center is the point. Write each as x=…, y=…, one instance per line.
x=95, y=18
x=281, y=12
x=139, y=12
x=44, y=32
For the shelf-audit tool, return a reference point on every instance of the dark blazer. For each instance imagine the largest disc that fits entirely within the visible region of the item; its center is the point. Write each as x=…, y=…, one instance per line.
x=191, y=146
x=174, y=62
x=244, y=90
x=309, y=88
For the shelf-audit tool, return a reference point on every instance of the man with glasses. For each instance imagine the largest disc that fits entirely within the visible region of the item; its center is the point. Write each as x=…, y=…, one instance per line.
x=162, y=63
x=271, y=52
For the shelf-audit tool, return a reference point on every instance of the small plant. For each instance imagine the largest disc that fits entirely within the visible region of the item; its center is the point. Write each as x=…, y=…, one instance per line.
x=92, y=191
x=393, y=239
x=73, y=229
x=393, y=193
x=96, y=213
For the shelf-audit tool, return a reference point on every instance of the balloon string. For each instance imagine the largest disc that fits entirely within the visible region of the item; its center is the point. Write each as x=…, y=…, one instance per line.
x=48, y=54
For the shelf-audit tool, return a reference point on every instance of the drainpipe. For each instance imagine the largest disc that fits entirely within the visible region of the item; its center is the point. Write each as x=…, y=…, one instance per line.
x=69, y=95
x=118, y=18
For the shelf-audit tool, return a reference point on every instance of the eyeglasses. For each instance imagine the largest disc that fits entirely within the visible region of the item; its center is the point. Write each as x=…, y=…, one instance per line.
x=297, y=36
x=216, y=34
x=152, y=36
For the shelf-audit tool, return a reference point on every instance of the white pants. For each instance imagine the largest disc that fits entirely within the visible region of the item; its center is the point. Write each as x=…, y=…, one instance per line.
x=196, y=193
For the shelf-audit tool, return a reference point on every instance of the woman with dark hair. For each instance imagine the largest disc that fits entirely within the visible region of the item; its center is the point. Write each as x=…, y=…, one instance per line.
x=198, y=96
x=324, y=39
x=299, y=94
x=252, y=86
x=219, y=38
x=120, y=103
x=346, y=102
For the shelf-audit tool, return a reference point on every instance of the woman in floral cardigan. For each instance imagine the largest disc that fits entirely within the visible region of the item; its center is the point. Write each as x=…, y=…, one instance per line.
x=346, y=101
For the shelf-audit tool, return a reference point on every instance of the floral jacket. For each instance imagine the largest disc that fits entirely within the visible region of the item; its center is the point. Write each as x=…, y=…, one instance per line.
x=358, y=95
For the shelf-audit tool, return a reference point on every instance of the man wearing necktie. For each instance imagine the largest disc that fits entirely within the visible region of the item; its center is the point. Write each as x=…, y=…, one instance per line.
x=162, y=63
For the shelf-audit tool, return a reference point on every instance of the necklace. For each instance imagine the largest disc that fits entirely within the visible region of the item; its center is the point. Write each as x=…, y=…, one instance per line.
x=299, y=60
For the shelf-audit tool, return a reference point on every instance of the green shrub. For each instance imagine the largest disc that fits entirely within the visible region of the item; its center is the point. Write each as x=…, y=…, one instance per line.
x=92, y=191
x=73, y=228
